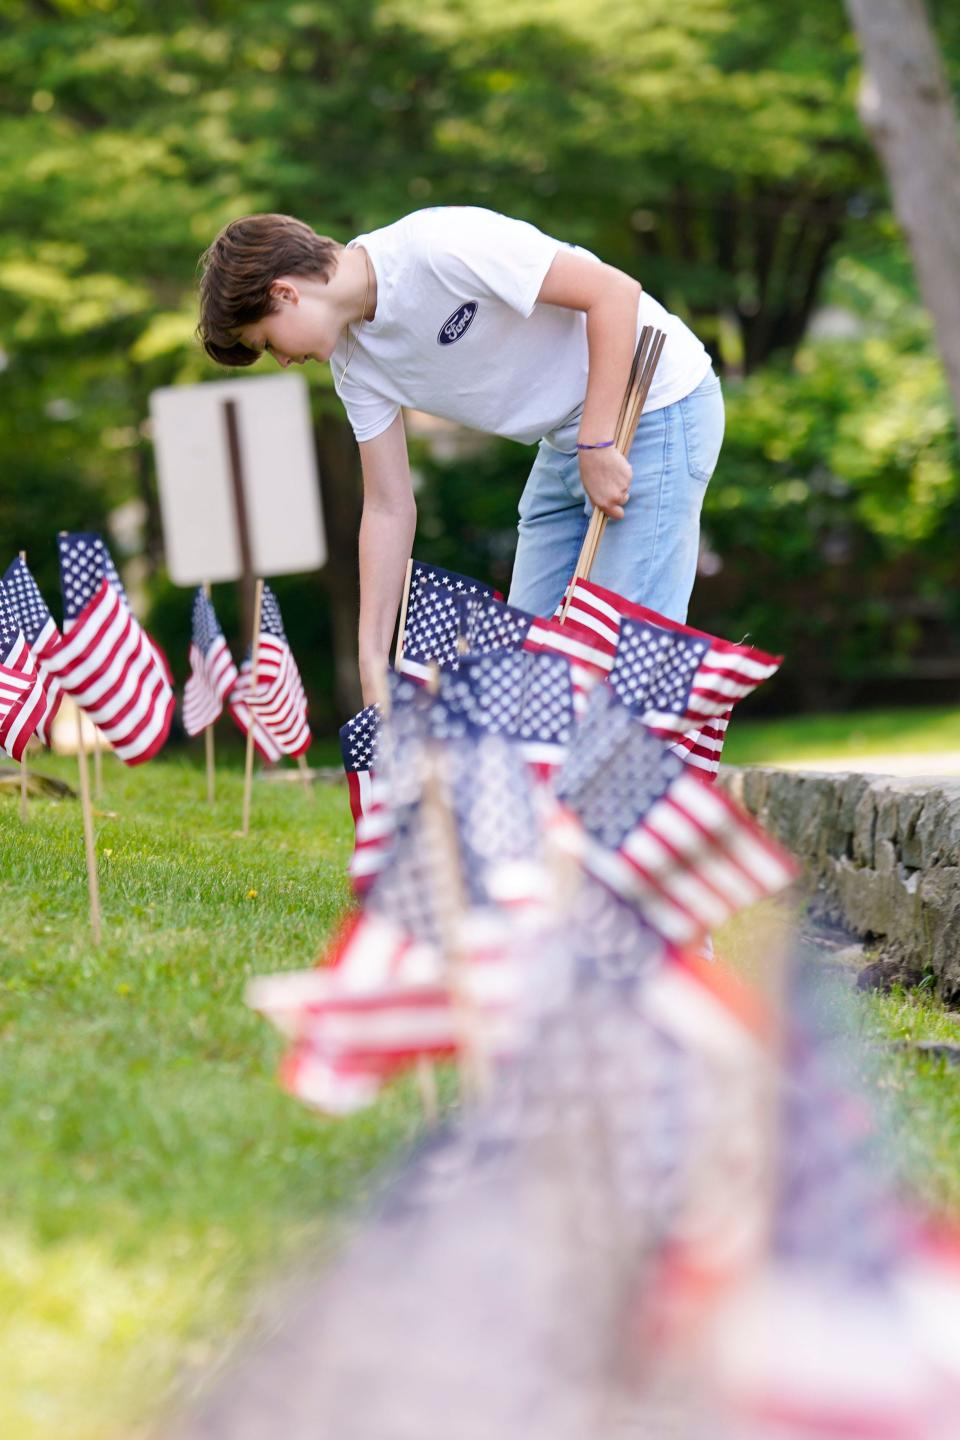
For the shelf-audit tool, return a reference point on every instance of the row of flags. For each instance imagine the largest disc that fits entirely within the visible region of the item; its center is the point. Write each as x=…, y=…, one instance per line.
x=594, y=731
x=119, y=676
x=275, y=710
x=667, y=1193
x=680, y=682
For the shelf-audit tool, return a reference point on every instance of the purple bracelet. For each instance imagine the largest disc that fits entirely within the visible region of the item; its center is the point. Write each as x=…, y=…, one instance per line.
x=600, y=445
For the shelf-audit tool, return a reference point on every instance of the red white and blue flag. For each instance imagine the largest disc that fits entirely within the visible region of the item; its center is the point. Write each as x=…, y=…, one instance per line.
x=23, y=701
x=278, y=705
x=725, y=673
x=655, y=833
x=213, y=673
x=39, y=631
x=107, y=662
x=431, y=631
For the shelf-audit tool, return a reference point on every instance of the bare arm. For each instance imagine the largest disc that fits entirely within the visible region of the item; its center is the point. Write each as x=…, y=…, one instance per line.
x=386, y=541
x=609, y=298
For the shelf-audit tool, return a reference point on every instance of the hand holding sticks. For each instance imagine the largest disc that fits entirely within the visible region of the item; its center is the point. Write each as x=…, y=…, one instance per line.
x=645, y=361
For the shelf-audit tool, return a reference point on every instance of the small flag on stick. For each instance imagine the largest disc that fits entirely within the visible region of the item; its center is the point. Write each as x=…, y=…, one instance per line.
x=23, y=700
x=274, y=696
x=107, y=662
x=40, y=632
x=656, y=834
x=213, y=673
x=646, y=654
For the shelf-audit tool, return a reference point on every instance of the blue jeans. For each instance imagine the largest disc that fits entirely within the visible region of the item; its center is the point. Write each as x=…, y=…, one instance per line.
x=650, y=556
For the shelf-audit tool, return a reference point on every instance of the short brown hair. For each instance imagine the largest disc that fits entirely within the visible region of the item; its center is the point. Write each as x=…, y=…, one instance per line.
x=236, y=273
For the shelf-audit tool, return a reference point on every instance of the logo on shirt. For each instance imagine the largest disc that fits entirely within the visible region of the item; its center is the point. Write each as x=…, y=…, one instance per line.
x=458, y=324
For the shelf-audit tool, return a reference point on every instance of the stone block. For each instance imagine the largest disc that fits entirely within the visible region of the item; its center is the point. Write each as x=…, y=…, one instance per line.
x=880, y=855
x=865, y=827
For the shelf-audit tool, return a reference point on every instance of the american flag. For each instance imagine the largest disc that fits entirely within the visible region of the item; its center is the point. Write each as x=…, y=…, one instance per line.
x=460, y=618
x=381, y=1002
x=526, y=698
x=279, y=704
x=842, y=1278
x=107, y=663
x=23, y=700
x=658, y=835
x=40, y=632
x=727, y=670
x=212, y=671
x=389, y=991
x=489, y=624
x=368, y=798
x=432, y=626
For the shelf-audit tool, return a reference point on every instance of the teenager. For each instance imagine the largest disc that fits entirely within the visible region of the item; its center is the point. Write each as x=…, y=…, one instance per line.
x=484, y=320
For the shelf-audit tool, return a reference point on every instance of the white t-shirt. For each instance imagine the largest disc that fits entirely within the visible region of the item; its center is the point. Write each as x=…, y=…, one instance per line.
x=458, y=332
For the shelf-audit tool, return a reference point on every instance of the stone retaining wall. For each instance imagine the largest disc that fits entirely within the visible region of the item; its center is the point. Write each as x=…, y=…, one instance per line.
x=882, y=856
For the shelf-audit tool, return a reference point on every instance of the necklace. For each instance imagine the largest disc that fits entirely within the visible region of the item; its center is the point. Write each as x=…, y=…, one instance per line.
x=363, y=316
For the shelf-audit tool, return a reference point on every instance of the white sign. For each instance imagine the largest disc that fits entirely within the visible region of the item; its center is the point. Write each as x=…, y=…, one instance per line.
x=281, y=491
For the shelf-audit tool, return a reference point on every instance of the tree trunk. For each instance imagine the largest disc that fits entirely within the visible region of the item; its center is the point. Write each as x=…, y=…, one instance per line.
x=907, y=108
x=342, y=506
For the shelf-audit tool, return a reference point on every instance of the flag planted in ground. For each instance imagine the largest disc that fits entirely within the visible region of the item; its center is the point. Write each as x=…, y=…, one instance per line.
x=107, y=662
x=658, y=835
x=724, y=674
x=278, y=703
x=23, y=700
x=379, y=1001
x=526, y=699
x=40, y=632
x=487, y=624
x=213, y=673
x=431, y=631
x=368, y=794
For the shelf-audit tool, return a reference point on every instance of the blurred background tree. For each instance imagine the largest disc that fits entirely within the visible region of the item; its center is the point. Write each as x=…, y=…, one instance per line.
x=716, y=155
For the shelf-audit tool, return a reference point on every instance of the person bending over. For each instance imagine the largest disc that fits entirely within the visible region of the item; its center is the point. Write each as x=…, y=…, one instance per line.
x=484, y=320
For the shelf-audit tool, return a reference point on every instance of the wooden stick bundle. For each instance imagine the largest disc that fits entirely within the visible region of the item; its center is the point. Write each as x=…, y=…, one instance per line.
x=645, y=361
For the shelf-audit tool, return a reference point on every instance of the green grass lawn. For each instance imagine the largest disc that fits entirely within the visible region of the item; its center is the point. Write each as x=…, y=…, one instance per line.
x=150, y=1167
x=924, y=730
x=151, y=1170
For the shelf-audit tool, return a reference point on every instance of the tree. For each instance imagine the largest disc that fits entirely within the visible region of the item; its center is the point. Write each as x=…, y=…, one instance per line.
x=907, y=107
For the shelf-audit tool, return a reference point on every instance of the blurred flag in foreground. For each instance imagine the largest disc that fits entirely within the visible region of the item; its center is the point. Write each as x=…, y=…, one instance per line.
x=657, y=835
x=213, y=673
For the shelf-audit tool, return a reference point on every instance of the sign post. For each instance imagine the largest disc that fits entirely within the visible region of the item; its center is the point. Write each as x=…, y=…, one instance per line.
x=238, y=483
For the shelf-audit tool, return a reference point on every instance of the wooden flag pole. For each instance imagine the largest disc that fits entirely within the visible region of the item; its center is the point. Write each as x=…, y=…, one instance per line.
x=405, y=601
x=254, y=659
x=24, y=779
x=305, y=775
x=97, y=765
x=93, y=884
x=208, y=740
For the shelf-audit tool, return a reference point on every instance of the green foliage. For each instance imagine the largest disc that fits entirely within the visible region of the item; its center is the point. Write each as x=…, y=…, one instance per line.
x=715, y=153
x=835, y=510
